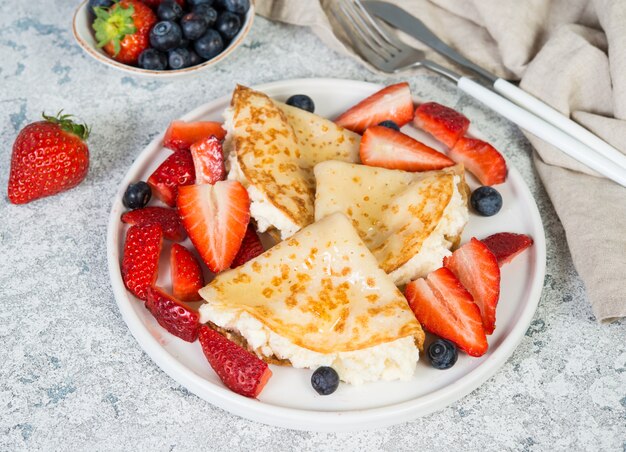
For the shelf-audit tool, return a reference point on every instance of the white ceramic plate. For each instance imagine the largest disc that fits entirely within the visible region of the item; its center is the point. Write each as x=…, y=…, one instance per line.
x=288, y=399
x=84, y=35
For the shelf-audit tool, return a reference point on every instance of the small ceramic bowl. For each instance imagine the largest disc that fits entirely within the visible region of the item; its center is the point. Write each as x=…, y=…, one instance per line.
x=84, y=35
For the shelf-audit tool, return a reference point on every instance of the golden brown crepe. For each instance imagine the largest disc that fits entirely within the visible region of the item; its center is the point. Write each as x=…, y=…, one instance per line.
x=321, y=289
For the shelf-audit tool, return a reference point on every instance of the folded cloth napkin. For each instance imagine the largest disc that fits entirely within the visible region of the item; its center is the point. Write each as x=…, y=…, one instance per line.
x=572, y=55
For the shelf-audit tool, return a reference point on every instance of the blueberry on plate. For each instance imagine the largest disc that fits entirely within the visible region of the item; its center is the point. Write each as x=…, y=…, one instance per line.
x=301, y=101
x=99, y=4
x=169, y=10
x=390, y=125
x=194, y=3
x=194, y=58
x=442, y=354
x=235, y=6
x=194, y=25
x=179, y=58
x=153, y=60
x=208, y=12
x=137, y=195
x=228, y=24
x=166, y=35
x=325, y=380
x=486, y=200
x=209, y=44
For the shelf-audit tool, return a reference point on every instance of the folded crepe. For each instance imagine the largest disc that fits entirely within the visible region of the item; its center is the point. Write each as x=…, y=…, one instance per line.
x=409, y=221
x=316, y=299
x=272, y=149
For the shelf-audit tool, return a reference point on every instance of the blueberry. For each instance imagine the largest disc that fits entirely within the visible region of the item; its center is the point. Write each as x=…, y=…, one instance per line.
x=390, y=125
x=194, y=3
x=169, y=10
x=137, y=195
x=209, y=44
x=442, y=354
x=100, y=4
x=486, y=201
x=301, y=101
x=228, y=24
x=194, y=25
x=166, y=35
x=235, y=6
x=179, y=58
x=153, y=59
x=194, y=58
x=209, y=13
x=325, y=380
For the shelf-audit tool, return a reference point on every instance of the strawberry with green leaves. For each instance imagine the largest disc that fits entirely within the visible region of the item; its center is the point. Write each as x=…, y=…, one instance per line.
x=48, y=157
x=123, y=30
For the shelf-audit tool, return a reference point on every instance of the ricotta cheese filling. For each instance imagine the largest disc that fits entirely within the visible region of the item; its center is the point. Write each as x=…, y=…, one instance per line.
x=395, y=360
x=261, y=209
x=435, y=247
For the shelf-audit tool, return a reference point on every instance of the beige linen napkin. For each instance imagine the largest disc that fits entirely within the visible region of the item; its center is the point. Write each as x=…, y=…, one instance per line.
x=572, y=55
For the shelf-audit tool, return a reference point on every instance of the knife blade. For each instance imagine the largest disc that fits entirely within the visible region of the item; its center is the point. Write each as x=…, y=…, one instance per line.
x=403, y=20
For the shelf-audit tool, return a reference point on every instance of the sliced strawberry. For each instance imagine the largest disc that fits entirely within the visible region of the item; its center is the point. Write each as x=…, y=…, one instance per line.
x=393, y=103
x=175, y=171
x=251, y=247
x=387, y=148
x=208, y=159
x=174, y=316
x=168, y=219
x=241, y=371
x=180, y=135
x=477, y=269
x=187, y=277
x=444, y=123
x=506, y=245
x=140, y=263
x=443, y=306
x=216, y=218
x=481, y=159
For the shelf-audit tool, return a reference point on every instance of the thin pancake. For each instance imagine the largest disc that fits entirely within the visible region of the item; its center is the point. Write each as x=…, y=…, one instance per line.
x=393, y=211
x=321, y=289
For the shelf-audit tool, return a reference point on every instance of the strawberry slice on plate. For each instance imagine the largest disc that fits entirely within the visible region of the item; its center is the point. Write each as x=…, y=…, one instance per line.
x=393, y=103
x=241, y=371
x=444, y=123
x=388, y=148
x=481, y=159
x=174, y=316
x=216, y=218
x=443, y=307
x=208, y=159
x=140, y=262
x=187, y=277
x=506, y=245
x=477, y=268
x=168, y=219
x=251, y=247
x=180, y=135
x=175, y=171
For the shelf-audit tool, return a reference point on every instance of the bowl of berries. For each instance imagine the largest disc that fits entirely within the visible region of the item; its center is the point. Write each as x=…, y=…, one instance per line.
x=162, y=38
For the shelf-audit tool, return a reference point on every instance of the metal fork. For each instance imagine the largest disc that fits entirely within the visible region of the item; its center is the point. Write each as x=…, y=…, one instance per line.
x=376, y=43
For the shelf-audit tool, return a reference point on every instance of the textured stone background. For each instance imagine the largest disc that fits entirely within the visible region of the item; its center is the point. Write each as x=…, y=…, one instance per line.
x=73, y=377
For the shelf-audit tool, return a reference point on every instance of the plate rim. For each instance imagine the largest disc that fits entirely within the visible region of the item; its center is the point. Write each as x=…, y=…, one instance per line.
x=310, y=420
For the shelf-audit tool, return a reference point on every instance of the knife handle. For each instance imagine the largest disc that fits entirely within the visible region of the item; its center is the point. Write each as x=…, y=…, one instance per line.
x=544, y=130
x=543, y=110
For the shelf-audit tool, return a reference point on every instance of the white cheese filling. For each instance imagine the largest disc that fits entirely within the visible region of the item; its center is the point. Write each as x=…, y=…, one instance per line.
x=395, y=360
x=435, y=247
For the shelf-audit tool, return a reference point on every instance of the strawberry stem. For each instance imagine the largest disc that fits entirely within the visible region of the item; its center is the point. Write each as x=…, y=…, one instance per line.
x=67, y=124
x=113, y=24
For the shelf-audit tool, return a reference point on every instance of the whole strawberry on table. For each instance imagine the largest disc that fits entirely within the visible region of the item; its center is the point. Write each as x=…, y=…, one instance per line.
x=166, y=34
x=49, y=157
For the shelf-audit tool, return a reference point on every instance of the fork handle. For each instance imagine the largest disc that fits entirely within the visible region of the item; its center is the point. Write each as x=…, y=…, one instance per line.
x=543, y=110
x=541, y=128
